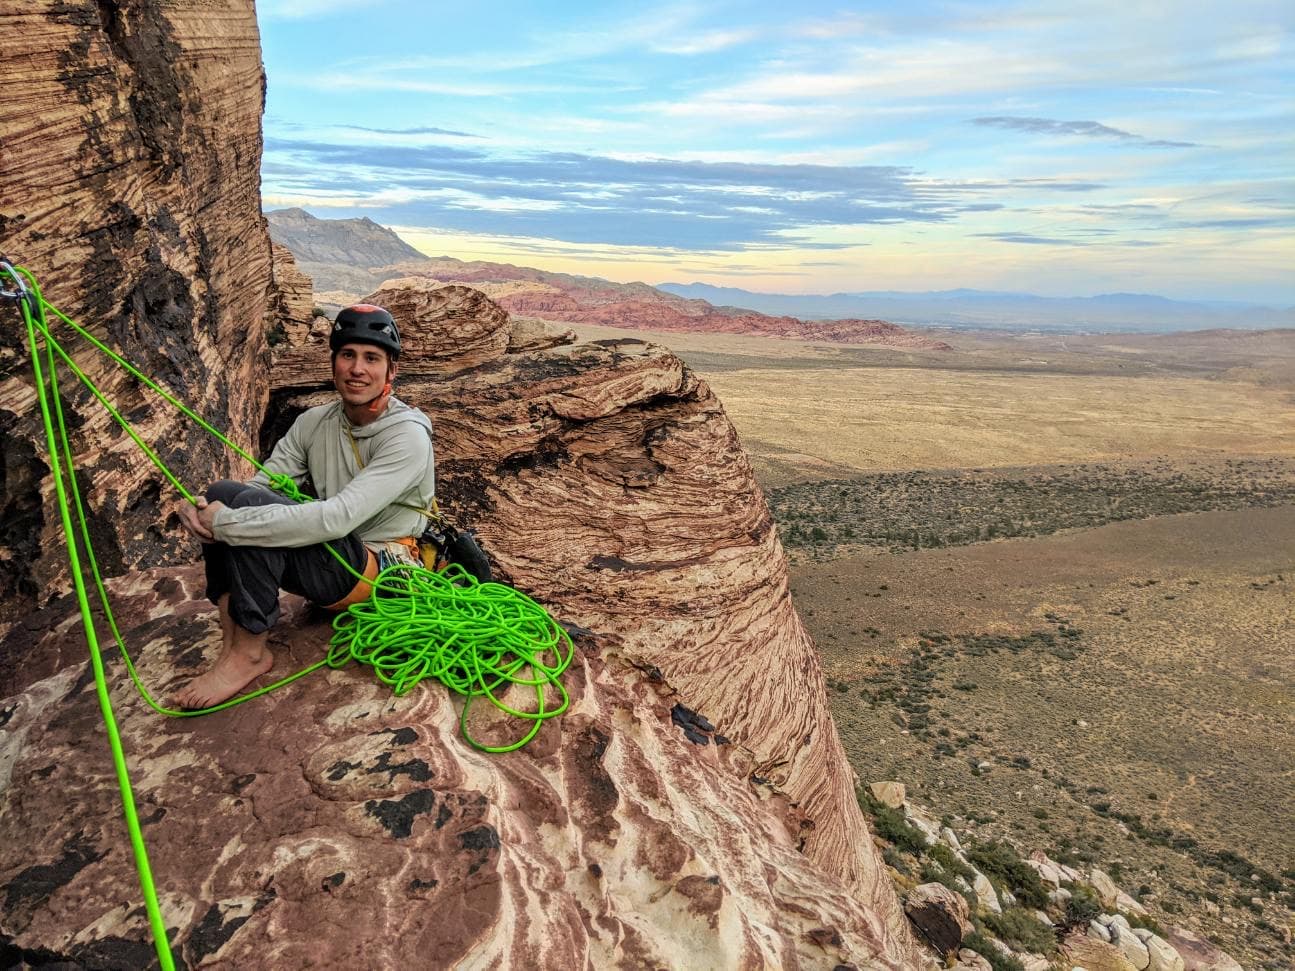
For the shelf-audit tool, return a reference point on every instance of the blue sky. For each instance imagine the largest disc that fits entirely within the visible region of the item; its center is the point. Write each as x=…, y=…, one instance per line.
x=1057, y=148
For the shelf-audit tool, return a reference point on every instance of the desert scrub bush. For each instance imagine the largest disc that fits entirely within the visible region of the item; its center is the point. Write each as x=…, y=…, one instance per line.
x=979, y=942
x=891, y=825
x=1082, y=907
x=896, y=862
x=999, y=860
x=1019, y=927
x=945, y=856
x=1145, y=921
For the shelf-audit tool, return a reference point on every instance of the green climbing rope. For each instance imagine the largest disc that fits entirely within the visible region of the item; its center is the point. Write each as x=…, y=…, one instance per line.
x=155, y=922
x=475, y=638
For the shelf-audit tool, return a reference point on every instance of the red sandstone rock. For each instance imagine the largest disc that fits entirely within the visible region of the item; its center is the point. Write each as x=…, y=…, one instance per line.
x=289, y=315
x=637, y=306
x=130, y=187
x=333, y=823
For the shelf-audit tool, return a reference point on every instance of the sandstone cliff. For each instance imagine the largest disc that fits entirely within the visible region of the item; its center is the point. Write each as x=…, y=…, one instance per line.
x=129, y=185
x=694, y=808
x=694, y=805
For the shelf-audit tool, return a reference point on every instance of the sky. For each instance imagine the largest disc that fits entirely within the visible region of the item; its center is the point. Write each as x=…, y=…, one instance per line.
x=1062, y=149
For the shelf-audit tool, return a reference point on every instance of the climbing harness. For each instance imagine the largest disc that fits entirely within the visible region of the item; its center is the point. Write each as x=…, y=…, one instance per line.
x=476, y=638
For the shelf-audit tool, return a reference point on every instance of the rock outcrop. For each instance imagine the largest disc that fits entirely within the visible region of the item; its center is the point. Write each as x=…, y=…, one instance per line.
x=940, y=915
x=334, y=825
x=605, y=480
x=693, y=808
x=130, y=187
x=290, y=312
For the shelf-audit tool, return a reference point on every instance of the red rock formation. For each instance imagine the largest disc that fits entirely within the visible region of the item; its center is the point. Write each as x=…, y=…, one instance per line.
x=130, y=187
x=290, y=311
x=605, y=480
x=336, y=826
x=334, y=823
x=637, y=306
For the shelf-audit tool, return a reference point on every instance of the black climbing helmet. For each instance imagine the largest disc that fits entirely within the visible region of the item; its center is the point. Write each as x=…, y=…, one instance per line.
x=365, y=324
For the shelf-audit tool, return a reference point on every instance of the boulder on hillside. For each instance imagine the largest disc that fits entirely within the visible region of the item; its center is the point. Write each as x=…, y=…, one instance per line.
x=1107, y=891
x=888, y=793
x=940, y=916
x=1094, y=955
x=1197, y=953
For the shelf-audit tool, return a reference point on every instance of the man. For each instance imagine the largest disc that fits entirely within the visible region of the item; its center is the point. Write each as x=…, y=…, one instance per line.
x=369, y=456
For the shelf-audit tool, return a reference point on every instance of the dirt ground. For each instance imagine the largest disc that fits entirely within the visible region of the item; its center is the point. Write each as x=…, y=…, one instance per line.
x=1114, y=681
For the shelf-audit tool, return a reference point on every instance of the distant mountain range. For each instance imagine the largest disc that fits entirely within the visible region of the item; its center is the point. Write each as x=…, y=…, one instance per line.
x=975, y=309
x=339, y=254
x=348, y=258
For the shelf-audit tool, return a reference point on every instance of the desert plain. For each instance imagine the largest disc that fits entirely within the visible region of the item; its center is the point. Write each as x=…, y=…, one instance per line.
x=1052, y=583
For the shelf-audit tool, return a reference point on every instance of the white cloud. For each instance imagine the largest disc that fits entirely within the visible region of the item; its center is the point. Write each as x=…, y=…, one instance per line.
x=706, y=43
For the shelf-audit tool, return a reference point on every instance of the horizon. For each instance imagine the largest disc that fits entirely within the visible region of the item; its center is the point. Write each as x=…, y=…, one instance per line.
x=1059, y=151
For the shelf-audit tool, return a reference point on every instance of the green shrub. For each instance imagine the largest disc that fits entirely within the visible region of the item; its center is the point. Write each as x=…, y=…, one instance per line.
x=1145, y=921
x=998, y=860
x=986, y=948
x=891, y=825
x=1082, y=907
x=1019, y=927
x=945, y=856
x=896, y=862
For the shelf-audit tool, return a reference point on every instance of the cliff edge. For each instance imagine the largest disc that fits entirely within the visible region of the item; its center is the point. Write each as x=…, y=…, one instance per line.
x=693, y=808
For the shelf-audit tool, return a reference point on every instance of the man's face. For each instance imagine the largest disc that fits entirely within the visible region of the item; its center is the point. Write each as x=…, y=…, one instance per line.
x=360, y=371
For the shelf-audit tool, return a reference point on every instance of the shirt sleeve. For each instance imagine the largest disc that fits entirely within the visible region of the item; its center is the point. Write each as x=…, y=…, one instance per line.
x=395, y=467
x=286, y=458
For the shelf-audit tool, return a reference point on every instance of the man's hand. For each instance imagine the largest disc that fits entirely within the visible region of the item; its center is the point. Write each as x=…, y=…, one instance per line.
x=197, y=519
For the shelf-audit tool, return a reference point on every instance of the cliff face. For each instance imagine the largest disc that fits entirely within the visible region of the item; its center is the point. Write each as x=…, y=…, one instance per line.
x=129, y=185
x=693, y=808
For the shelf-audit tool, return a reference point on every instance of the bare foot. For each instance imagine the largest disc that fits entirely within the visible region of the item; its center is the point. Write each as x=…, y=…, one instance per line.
x=231, y=673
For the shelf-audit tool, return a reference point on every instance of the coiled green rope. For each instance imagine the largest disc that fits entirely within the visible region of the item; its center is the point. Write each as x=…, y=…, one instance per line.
x=475, y=638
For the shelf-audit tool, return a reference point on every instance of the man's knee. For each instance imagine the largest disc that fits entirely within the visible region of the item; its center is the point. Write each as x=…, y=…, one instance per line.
x=238, y=495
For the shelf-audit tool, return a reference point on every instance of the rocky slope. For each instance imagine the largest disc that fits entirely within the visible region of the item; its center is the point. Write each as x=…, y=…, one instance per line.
x=984, y=902
x=131, y=189
x=344, y=256
x=605, y=480
x=693, y=808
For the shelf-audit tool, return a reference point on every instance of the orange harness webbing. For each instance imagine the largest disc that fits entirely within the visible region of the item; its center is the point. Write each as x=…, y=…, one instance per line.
x=363, y=589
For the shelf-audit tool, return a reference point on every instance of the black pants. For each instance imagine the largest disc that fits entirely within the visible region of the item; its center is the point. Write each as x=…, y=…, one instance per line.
x=254, y=575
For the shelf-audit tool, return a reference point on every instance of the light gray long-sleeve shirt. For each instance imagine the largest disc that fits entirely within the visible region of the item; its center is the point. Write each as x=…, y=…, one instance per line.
x=399, y=470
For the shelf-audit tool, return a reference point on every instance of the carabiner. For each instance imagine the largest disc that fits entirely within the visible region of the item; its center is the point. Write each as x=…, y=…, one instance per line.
x=20, y=291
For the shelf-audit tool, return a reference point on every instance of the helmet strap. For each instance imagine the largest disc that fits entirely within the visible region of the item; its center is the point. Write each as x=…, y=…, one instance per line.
x=380, y=402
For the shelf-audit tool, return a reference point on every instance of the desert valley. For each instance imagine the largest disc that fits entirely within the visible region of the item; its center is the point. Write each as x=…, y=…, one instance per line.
x=1050, y=575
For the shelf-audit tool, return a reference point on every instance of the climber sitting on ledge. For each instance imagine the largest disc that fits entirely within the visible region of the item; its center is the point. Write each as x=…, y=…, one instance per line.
x=369, y=456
